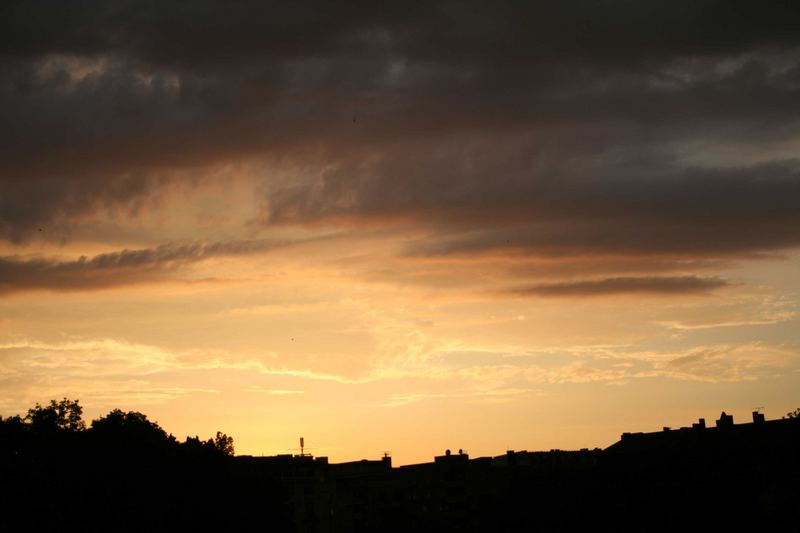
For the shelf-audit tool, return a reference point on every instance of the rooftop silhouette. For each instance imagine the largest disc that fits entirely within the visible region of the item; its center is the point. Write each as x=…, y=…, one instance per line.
x=124, y=473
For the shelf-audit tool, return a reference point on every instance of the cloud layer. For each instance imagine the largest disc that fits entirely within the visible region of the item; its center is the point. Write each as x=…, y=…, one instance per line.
x=609, y=286
x=546, y=128
x=116, y=269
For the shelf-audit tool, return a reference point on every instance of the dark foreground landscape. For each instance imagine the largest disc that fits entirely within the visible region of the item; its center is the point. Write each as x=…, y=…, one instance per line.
x=124, y=473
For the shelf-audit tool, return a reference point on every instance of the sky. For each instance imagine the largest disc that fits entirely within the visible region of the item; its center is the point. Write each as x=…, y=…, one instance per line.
x=401, y=227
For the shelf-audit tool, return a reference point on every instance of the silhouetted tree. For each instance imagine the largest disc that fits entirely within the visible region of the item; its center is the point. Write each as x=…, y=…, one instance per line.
x=196, y=445
x=128, y=429
x=223, y=444
x=62, y=415
x=11, y=421
x=123, y=473
x=12, y=430
x=793, y=414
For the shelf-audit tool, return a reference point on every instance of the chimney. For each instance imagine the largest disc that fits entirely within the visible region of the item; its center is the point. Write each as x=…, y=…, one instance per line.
x=725, y=421
x=758, y=418
x=701, y=424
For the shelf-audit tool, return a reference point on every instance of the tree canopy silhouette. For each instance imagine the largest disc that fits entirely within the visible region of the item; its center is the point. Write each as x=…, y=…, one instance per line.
x=123, y=473
x=223, y=443
x=65, y=415
x=118, y=430
x=131, y=429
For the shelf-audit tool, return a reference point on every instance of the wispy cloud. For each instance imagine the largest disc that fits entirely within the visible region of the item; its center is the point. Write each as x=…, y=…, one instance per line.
x=729, y=362
x=476, y=396
x=625, y=285
x=125, y=267
x=89, y=365
x=274, y=392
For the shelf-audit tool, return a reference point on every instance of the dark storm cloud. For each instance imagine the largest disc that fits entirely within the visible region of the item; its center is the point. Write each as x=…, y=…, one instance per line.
x=625, y=285
x=116, y=269
x=28, y=205
x=201, y=32
x=484, y=197
x=535, y=127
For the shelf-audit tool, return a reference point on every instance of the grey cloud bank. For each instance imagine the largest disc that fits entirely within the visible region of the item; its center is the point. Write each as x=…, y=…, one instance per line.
x=547, y=128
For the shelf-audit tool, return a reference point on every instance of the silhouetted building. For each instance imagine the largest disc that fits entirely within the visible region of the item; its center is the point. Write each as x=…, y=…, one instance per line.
x=664, y=481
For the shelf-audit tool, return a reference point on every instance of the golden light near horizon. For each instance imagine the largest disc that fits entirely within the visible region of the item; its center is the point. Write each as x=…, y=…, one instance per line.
x=388, y=244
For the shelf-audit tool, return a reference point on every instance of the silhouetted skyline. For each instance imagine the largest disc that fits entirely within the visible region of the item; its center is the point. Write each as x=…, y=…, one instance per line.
x=122, y=472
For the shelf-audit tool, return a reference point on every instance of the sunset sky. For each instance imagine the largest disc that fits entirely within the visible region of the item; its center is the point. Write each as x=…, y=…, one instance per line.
x=402, y=226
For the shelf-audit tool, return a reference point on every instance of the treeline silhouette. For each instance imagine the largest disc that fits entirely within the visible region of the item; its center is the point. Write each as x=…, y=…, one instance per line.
x=125, y=473
x=122, y=473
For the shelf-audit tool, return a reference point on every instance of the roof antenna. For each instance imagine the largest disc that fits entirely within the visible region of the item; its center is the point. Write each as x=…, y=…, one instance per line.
x=303, y=448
